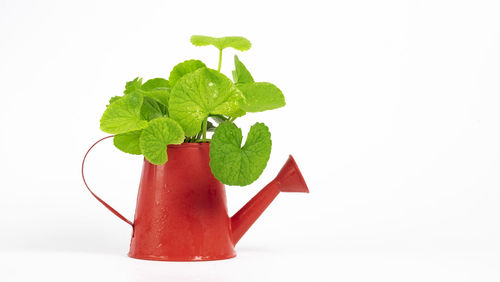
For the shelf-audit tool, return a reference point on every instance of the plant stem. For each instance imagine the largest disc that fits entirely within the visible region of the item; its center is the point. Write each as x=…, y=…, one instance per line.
x=205, y=128
x=232, y=119
x=202, y=140
x=220, y=60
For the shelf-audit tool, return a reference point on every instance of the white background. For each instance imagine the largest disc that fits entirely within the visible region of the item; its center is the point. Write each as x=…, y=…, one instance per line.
x=392, y=115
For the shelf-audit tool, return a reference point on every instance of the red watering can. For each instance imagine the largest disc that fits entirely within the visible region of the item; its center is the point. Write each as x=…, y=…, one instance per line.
x=181, y=212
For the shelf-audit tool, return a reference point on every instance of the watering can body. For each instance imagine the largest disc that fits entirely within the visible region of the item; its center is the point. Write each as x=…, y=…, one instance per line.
x=181, y=212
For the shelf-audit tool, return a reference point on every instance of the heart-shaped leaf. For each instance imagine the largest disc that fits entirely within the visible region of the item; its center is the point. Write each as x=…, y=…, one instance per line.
x=202, y=93
x=160, y=95
x=155, y=138
x=236, y=42
x=124, y=115
x=156, y=88
x=236, y=165
x=128, y=142
x=261, y=96
x=155, y=83
x=152, y=109
x=184, y=68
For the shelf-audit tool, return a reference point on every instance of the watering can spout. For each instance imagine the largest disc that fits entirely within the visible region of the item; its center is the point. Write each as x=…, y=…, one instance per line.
x=289, y=179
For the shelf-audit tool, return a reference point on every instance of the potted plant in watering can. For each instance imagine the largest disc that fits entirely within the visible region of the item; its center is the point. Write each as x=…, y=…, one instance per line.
x=181, y=212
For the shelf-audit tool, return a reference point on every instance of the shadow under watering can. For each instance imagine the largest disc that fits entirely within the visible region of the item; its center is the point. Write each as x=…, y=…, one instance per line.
x=181, y=212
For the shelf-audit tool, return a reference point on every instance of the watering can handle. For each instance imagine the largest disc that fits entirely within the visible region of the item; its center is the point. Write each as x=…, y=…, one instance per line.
x=99, y=199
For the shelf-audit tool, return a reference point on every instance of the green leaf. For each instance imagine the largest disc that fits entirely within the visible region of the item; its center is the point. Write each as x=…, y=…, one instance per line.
x=157, y=89
x=151, y=109
x=261, y=96
x=124, y=115
x=238, y=113
x=236, y=42
x=161, y=95
x=202, y=93
x=114, y=99
x=128, y=142
x=234, y=165
x=184, y=68
x=155, y=83
x=133, y=85
x=241, y=74
x=155, y=138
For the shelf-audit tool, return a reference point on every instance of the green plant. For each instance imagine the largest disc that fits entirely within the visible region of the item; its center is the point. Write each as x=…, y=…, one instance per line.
x=193, y=101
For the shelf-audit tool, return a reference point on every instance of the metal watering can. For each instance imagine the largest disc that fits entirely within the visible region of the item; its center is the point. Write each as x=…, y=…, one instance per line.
x=181, y=212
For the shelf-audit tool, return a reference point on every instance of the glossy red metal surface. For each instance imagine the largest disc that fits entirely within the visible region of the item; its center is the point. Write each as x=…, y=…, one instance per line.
x=289, y=179
x=181, y=212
